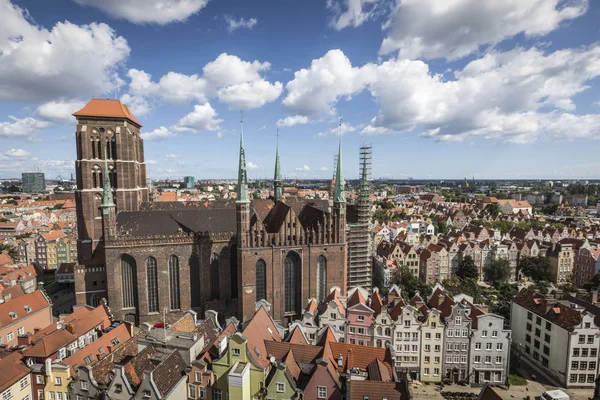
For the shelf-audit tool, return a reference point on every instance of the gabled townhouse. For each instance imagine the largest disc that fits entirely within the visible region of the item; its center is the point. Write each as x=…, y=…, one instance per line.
x=558, y=335
x=408, y=324
x=584, y=269
x=200, y=380
x=432, y=345
x=562, y=258
x=382, y=322
x=332, y=312
x=359, y=318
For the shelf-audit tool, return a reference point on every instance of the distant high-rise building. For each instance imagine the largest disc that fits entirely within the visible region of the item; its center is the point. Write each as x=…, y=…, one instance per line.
x=33, y=182
x=189, y=182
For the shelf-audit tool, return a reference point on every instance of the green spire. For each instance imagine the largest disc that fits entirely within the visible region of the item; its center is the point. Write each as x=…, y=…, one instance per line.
x=277, y=186
x=242, y=189
x=107, y=195
x=339, y=193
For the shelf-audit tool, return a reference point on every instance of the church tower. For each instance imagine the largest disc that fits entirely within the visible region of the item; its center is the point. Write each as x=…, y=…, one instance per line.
x=339, y=200
x=277, y=182
x=106, y=130
x=109, y=214
x=242, y=204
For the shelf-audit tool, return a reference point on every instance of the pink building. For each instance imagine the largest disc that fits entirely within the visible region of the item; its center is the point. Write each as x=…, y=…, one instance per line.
x=359, y=317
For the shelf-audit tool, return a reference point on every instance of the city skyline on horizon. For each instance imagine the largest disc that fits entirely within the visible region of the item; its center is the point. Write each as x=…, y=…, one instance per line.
x=512, y=95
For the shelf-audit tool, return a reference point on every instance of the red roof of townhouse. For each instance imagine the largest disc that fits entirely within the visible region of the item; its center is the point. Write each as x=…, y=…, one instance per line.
x=106, y=108
x=260, y=328
x=53, y=235
x=357, y=356
x=12, y=369
x=34, y=301
x=18, y=274
x=5, y=259
x=99, y=348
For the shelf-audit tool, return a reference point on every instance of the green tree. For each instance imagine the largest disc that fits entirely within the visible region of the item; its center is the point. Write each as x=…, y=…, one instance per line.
x=467, y=269
x=58, y=206
x=550, y=209
x=494, y=209
x=497, y=272
x=536, y=268
x=13, y=202
x=409, y=283
x=10, y=250
x=468, y=286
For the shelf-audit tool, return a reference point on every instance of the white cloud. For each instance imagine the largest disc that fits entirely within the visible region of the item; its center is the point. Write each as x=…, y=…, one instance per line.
x=335, y=131
x=203, y=118
x=138, y=105
x=59, y=111
x=303, y=168
x=292, y=120
x=251, y=165
x=323, y=169
x=172, y=155
x=351, y=13
x=22, y=127
x=454, y=29
x=518, y=95
x=242, y=23
x=249, y=95
x=151, y=162
x=148, y=11
x=316, y=89
x=68, y=61
x=233, y=81
x=161, y=133
x=19, y=153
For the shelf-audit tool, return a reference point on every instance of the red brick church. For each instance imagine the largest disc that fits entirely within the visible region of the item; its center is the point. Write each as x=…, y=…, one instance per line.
x=149, y=257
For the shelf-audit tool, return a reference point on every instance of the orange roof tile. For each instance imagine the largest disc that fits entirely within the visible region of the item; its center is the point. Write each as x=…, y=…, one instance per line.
x=297, y=337
x=360, y=356
x=36, y=300
x=260, y=328
x=106, y=108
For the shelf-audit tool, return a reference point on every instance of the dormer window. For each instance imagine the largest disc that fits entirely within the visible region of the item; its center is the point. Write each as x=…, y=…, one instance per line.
x=13, y=315
x=27, y=309
x=236, y=352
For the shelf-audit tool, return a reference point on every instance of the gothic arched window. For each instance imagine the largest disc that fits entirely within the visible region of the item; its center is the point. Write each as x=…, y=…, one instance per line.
x=108, y=149
x=99, y=147
x=321, y=278
x=129, y=281
x=174, y=282
x=152, y=283
x=214, y=276
x=291, y=280
x=93, y=145
x=261, y=280
x=113, y=143
x=112, y=176
x=233, y=271
x=96, y=177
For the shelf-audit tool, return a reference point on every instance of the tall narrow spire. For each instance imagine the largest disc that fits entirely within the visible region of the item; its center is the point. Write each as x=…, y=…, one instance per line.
x=277, y=182
x=242, y=189
x=339, y=193
x=107, y=195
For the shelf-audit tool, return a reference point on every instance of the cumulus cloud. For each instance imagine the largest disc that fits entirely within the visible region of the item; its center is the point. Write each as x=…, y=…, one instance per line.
x=292, y=120
x=303, y=168
x=314, y=90
x=351, y=13
x=202, y=118
x=518, y=95
x=342, y=129
x=172, y=155
x=59, y=111
x=148, y=11
x=233, y=81
x=19, y=153
x=161, y=133
x=38, y=64
x=22, y=127
x=323, y=169
x=454, y=29
x=242, y=23
x=151, y=162
x=251, y=165
x=138, y=105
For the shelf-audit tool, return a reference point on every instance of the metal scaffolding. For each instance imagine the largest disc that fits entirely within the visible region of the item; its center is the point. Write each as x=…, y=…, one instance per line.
x=360, y=259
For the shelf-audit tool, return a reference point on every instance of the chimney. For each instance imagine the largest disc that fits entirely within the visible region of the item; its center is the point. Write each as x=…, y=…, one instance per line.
x=24, y=340
x=594, y=294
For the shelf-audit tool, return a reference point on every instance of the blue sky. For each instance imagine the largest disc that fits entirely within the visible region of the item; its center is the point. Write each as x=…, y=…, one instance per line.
x=440, y=89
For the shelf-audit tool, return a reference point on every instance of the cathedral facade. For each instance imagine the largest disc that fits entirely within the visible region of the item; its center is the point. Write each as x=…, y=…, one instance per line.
x=147, y=258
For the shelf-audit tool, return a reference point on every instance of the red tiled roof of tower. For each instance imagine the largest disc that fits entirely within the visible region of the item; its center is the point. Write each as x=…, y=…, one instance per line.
x=108, y=108
x=260, y=328
x=297, y=337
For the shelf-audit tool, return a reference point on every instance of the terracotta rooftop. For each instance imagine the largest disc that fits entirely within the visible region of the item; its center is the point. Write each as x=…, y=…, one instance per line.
x=359, y=390
x=107, y=108
x=297, y=337
x=35, y=300
x=259, y=329
x=12, y=370
x=361, y=356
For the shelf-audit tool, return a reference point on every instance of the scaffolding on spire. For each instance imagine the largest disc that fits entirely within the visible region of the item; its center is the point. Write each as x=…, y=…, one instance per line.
x=360, y=245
